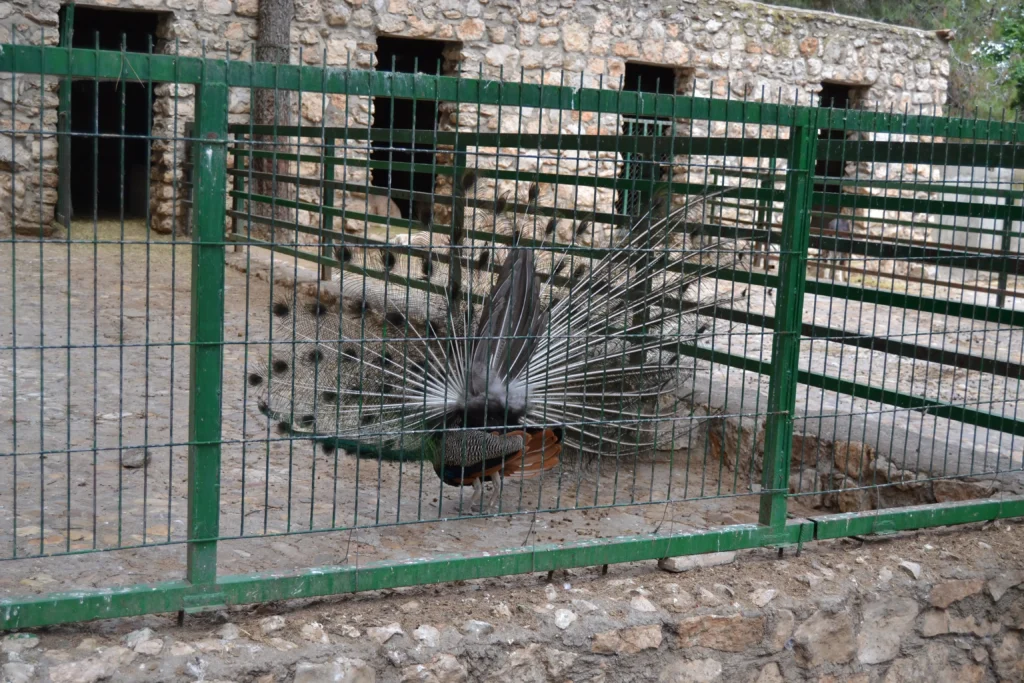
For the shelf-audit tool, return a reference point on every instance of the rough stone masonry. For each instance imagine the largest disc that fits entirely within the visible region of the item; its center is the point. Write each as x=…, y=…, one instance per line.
x=735, y=49
x=932, y=607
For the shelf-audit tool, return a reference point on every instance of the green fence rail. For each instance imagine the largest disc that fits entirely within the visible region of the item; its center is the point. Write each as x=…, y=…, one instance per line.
x=855, y=382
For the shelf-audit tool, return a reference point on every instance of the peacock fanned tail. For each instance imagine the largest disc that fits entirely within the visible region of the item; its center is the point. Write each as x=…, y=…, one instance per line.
x=535, y=337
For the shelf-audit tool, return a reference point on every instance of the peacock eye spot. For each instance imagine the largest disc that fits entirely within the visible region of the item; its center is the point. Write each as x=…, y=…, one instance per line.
x=358, y=306
x=314, y=356
x=283, y=428
x=328, y=449
x=329, y=396
x=306, y=420
x=281, y=309
x=280, y=366
x=255, y=379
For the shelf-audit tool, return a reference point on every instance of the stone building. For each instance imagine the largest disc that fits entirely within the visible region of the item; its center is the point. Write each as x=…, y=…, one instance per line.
x=742, y=50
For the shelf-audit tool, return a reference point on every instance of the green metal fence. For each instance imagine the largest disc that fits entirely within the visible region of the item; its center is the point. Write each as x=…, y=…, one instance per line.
x=861, y=381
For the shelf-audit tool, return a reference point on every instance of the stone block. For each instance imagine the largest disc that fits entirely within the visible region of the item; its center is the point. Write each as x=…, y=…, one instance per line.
x=687, y=563
x=733, y=633
x=825, y=638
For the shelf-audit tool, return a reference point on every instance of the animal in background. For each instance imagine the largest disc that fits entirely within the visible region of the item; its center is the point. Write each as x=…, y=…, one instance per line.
x=837, y=263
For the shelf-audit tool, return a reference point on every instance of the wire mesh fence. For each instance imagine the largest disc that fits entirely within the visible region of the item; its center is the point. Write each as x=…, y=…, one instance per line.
x=537, y=326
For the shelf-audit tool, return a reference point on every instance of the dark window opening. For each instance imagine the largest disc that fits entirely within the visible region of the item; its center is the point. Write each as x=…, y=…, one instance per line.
x=649, y=78
x=406, y=55
x=108, y=166
x=835, y=96
x=643, y=170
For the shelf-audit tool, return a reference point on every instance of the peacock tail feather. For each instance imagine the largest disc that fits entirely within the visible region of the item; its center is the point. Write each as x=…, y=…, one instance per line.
x=463, y=335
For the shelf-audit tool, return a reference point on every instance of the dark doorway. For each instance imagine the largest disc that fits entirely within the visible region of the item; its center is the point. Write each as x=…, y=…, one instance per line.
x=406, y=55
x=111, y=121
x=642, y=169
x=835, y=96
x=114, y=164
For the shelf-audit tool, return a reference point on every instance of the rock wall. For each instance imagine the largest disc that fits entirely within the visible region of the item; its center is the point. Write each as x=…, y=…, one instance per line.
x=28, y=160
x=735, y=49
x=935, y=607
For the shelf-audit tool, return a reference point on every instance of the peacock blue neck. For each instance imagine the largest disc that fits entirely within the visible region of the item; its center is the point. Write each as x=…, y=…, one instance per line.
x=378, y=452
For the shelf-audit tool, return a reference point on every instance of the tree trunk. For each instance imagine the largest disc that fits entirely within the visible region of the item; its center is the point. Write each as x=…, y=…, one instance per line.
x=273, y=45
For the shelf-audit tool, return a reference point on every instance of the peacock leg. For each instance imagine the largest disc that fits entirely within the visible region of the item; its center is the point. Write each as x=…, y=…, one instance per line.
x=478, y=495
x=495, y=492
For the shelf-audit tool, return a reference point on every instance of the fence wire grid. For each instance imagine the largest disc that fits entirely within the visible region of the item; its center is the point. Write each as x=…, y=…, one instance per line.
x=231, y=348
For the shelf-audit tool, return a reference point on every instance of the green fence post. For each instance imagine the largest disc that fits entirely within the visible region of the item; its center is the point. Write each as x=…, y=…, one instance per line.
x=763, y=221
x=789, y=308
x=207, y=334
x=326, y=218
x=237, y=181
x=1004, y=251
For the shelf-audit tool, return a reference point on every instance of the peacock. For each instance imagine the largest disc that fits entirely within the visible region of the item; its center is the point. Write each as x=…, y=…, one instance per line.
x=494, y=361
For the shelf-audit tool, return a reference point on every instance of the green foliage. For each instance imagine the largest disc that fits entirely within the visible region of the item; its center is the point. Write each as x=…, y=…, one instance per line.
x=979, y=80
x=1005, y=52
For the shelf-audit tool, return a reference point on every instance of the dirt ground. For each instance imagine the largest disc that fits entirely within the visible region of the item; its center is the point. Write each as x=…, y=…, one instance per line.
x=96, y=453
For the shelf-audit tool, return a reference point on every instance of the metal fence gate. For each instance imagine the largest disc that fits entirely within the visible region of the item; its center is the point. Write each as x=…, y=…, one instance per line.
x=869, y=387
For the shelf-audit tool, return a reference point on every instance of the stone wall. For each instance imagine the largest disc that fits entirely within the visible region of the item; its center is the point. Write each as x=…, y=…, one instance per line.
x=734, y=49
x=935, y=607
x=27, y=104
